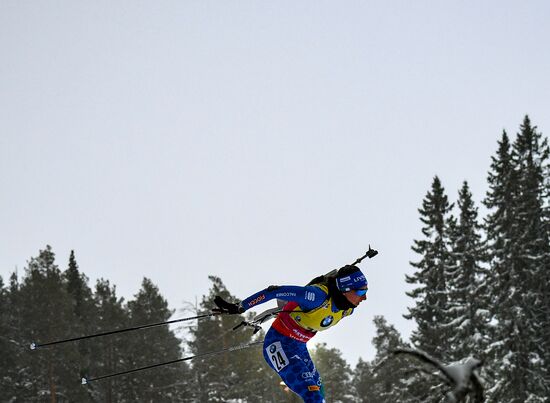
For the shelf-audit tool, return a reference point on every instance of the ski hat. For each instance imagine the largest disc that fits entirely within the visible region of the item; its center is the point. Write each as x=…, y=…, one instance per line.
x=350, y=278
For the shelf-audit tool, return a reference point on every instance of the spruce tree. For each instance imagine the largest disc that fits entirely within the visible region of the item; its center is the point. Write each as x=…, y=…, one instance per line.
x=81, y=324
x=151, y=346
x=8, y=346
x=517, y=230
x=430, y=278
x=77, y=286
x=467, y=287
x=335, y=373
x=500, y=233
x=531, y=154
x=45, y=310
x=233, y=375
x=15, y=347
x=363, y=382
x=385, y=378
x=110, y=352
x=432, y=308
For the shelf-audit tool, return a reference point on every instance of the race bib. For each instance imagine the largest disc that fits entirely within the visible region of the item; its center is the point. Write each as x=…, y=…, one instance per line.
x=277, y=356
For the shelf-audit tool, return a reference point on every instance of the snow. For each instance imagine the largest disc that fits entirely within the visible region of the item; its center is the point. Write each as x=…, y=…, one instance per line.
x=461, y=373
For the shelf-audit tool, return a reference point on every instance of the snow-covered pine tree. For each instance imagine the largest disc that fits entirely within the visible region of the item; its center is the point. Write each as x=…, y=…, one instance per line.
x=362, y=381
x=383, y=380
x=501, y=231
x=546, y=290
x=431, y=308
x=466, y=283
x=517, y=232
x=499, y=228
x=530, y=156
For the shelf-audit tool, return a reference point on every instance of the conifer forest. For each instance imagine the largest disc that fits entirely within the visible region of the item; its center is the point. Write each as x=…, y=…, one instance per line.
x=479, y=290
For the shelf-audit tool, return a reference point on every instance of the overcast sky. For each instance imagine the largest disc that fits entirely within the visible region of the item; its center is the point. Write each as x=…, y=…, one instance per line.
x=262, y=142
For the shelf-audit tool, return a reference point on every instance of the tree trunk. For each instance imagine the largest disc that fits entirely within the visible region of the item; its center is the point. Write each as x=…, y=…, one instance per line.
x=53, y=395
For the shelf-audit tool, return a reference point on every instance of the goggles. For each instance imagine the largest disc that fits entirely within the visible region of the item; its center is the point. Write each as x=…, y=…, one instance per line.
x=361, y=292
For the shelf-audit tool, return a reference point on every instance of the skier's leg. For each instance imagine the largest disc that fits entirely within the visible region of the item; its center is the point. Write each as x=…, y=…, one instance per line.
x=291, y=360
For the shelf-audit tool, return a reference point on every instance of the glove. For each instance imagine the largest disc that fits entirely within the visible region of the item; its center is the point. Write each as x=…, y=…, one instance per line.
x=227, y=307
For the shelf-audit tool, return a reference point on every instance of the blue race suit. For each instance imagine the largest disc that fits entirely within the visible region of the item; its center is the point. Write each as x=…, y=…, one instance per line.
x=285, y=343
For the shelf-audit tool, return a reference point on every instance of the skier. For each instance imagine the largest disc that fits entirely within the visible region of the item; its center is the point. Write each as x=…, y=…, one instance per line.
x=310, y=309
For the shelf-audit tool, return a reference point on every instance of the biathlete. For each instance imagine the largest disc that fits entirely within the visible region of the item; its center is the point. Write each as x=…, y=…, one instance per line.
x=308, y=310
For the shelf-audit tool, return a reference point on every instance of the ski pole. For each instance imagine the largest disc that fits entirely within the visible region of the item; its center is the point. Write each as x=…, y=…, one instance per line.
x=34, y=345
x=86, y=381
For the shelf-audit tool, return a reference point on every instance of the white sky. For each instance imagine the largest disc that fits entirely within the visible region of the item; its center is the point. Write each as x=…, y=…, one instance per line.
x=263, y=142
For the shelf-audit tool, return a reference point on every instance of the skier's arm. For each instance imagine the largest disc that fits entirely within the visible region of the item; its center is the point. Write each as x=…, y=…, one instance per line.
x=308, y=297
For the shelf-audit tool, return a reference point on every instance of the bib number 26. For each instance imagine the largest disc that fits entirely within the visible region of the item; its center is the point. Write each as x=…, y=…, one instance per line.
x=277, y=356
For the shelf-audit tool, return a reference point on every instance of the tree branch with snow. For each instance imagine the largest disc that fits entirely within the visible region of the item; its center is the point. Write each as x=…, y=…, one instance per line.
x=461, y=377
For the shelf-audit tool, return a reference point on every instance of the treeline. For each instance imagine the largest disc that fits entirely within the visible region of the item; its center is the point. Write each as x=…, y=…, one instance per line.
x=480, y=287
x=49, y=303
